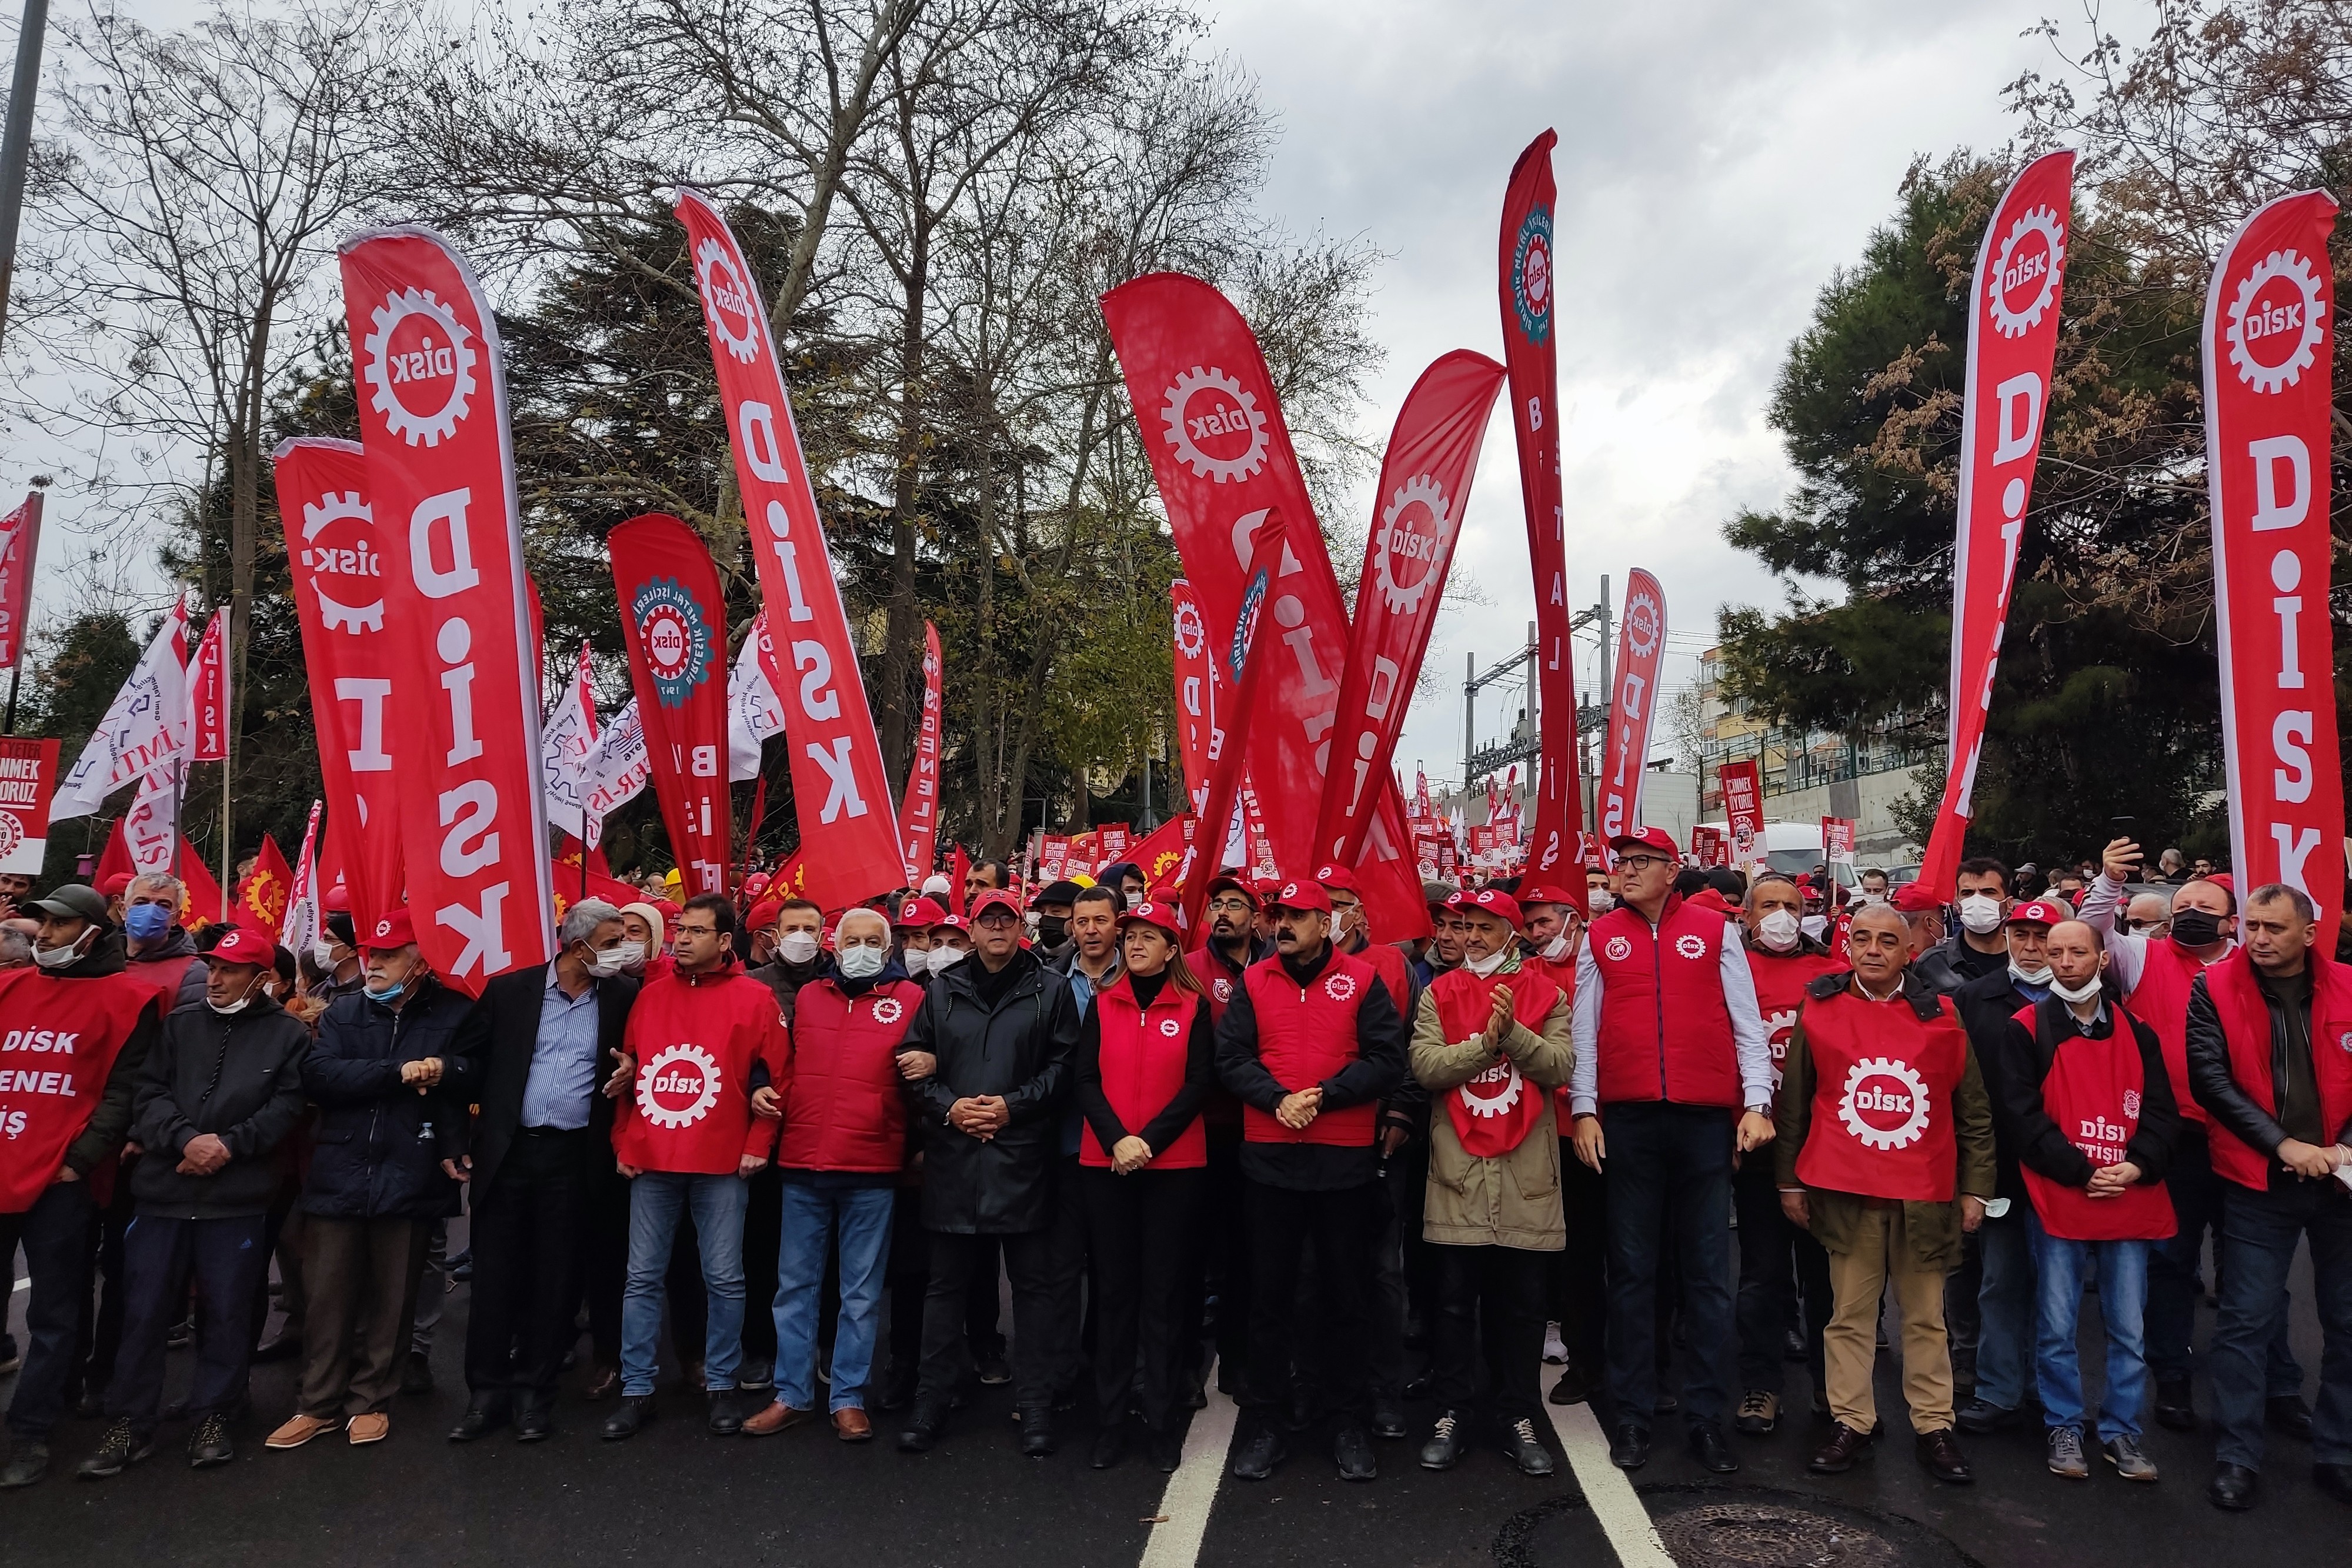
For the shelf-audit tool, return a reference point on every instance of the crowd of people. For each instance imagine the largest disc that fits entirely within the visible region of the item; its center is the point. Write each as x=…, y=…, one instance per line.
x=1673, y=1149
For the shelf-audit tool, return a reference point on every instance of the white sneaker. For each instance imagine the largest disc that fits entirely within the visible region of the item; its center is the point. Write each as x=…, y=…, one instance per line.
x=1554, y=1350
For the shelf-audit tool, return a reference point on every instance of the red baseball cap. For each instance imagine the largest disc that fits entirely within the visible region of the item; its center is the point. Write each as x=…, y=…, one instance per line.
x=1914, y=899
x=1708, y=899
x=337, y=900
x=1238, y=884
x=243, y=946
x=1656, y=838
x=2039, y=913
x=766, y=913
x=994, y=898
x=1297, y=895
x=1491, y=901
x=1543, y=893
x=1167, y=916
x=114, y=887
x=1339, y=879
x=756, y=883
x=394, y=929
x=951, y=922
x=923, y=912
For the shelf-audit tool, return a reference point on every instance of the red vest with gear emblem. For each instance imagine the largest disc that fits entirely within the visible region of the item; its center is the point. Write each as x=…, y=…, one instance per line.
x=1143, y=1051
x=1665, y=1029
x=1216, y=980
x=2091, y=1092
x=2246, y=1026
x=1495, y=1111
x=695, y=1038
x=1780, y=980
x=2160, y=1000
x=1883, y=1084
x=1305, y=1036
x=57, y=1051
x=845, y=1104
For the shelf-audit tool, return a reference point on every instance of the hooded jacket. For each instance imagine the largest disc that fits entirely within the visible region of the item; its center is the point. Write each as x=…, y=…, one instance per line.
x=237, y=1075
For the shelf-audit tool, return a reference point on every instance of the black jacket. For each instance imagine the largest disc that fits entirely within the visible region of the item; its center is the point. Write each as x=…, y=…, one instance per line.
x=498, y=1039
x=1021, y=1048
x=2024, y=1123
x=1952, y=964
x=2217, y=1090
x=238, y=1077
x=101, y=1138
x=786, y=979
x=381, y=1142
x=1987, y=1008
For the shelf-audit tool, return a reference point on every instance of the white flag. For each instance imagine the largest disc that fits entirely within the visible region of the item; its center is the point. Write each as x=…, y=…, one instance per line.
x=567, y=744
x=616, y=772
x=754, y=710
x=301, y=925
x=144, y=733
x=151, y=830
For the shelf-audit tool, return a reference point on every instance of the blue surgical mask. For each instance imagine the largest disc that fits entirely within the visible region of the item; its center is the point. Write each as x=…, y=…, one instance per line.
x=145, y=922
x=386, y=997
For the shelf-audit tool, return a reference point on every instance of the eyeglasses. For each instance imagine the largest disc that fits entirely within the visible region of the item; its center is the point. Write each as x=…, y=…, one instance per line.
x=1231, y=906
x=996, y=917
x=697, y=930
x=1640, y=862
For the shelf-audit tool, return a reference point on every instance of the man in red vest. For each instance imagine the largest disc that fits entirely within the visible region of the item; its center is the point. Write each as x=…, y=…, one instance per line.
x=1886, y=1155
x=1309, y=1044
x=1777, y=1260
x=1490, y=1042
x=2083, y=1089
x=2270, y=1059
x=76, y=1031
x=155, y=946
x=1672, y=1077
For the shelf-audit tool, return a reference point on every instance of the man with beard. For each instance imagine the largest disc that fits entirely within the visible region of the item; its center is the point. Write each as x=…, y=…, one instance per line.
x=1980, y=947
x=1218, y=963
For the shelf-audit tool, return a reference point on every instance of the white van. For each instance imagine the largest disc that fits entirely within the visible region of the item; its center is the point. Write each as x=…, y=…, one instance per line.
x=1794, y=847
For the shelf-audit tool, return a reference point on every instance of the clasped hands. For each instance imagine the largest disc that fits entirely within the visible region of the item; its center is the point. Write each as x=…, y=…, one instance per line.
x=981, y=1116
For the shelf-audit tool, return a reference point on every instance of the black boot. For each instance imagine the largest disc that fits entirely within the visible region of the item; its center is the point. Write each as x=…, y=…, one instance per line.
x=1037, y=1431
x=925, y=1422
x=628, y=1417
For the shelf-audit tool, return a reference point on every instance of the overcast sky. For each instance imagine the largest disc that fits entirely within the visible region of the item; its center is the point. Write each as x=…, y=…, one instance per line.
x=1717, y=160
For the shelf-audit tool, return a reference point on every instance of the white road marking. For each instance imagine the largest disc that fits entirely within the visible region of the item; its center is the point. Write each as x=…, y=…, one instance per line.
x=24, y=1284
x=1193, y=1489
x=1611, y=1497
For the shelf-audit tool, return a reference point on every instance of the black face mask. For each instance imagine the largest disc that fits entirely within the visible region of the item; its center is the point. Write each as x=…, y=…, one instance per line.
x=2195, y=927
x=1052, y=930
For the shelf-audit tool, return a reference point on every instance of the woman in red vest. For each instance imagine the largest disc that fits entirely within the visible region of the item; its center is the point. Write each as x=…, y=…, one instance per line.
x=2090, y=1111
x=1886, y=1155
x=1146, y=1067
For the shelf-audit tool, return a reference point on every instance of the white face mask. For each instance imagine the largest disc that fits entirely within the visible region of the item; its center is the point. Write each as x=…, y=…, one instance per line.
x=226, y=1009
x=2059, y=989
x=1557, y=949
x=796, y=947
x=1980, y=913
x=1600, y=902
x=944, y=958
x=1867, y=900
x=1778, y=931
x=325, y=952
x=2040, y=977
x=860, y=963
x=618, y=959
x=58, y=957
x=1483, y=967
x=1814, y=925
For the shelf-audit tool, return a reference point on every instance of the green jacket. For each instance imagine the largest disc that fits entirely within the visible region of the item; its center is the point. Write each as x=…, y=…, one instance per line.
x=1934, y=1228
x=1511, y=1200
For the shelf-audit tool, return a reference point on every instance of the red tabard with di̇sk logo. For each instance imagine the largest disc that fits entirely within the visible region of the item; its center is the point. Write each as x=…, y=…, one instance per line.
x=694, y=1040
x=1883, y=1084
x=1495, y=1111
x=60, y=1045
x=1781, y=981
x=2160, y=1000
x=2091, y=1091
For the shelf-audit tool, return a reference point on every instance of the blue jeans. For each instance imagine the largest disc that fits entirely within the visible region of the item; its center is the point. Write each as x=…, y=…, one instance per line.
x=1669, y=1170
x=2062, y=1267
x=2005, y=1310
x=812, y=1216
x=2259, y=1232
x=656, y=1199
x=2175, y=1287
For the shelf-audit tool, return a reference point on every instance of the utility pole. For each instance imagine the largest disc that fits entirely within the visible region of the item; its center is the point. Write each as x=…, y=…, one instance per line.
x=16, y=142
x=1469, y=717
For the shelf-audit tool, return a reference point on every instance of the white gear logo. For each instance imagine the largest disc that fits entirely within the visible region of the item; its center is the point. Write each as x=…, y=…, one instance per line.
x=2296, y=270
x=413, y=428
x=1182, y=429
x=1339, y=987
x=887, y=1009
x=1642, y=620
x=2012, y=324
x=317, y=516
x=1424, y=490
x=1691, y=946
x=649, y=1076
x=1498, y=1103
x=724, y=292
x=2131, y=1103
x=1170, y=1027
x=1192, y=636
x=1223, y=989
x=1855, y=1101
x=1619, y=949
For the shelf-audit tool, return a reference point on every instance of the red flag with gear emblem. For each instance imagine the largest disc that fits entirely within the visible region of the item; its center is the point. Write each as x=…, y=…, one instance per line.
x=263, y=896
x=1632, y=706
x=674, y=622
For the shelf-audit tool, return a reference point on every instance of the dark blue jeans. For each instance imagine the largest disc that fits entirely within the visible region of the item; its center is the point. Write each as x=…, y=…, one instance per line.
x=2173, y=1282
x=230, y=1263
x=2259, y=1231
x=1779, y=1264
x=1669, y=1170
x=54, y=1234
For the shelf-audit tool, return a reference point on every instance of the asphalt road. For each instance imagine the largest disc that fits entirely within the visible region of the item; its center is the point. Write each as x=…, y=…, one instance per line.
x=676, y=1495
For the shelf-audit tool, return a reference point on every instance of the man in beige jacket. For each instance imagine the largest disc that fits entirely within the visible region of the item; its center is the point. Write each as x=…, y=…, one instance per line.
x=1490, y=1043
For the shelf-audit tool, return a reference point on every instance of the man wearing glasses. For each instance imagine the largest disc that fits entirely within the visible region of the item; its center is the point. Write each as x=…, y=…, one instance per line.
x=1672, y=1075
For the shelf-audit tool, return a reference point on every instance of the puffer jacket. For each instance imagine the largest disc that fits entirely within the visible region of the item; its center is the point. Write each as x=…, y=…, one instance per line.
x=1021, y=1048
x=1509, y=1200
x=379, y=1143
x=237, y=1075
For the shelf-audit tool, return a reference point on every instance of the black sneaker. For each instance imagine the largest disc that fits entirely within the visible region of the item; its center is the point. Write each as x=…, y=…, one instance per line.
x=1261, y=1454
x=995, y=1371
x=1525, y=1449
x=1446, y=1442
x=28, y=1461
x=210, y=1444
x=124, y=1446
x=1351, y=1448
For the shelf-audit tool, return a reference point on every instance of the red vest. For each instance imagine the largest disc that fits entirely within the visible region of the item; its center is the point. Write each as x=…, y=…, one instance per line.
x=163, y=974
x=2246, y=1026
x=2091, y=1091
x=1562, y=974
x=1780, y=980
x=695, y=1039
x=1665, y=1030
x=1143, y=1051
x=1216, y=980
x=845, y=1107
x=1883, y=1084
x=1495, y=1111
x=1305, y=1036
x=58, y=1046
x=1388, y=963
x=2160, y=1000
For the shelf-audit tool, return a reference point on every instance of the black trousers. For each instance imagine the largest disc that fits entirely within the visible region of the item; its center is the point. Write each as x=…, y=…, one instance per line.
x=1143, y=1232
x=56, y=1234
x=1028, y=1259
x=531, y=1244
x=1067, y=1277
x=1782, y=1271
x=1490, y=1299
x=230, y=1261
x=1669, y=1169
x=1342, y=1227
x=605, y=1260
x=1581, y=1299
x=909, y=1274
x=1225, y=1253
x=763, y=1229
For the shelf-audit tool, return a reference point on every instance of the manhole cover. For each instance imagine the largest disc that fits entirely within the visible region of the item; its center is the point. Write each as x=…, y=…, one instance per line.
x=1770, y=1535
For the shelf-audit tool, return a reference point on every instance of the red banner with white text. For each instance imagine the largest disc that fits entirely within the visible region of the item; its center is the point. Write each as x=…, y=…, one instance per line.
x=1532, y=353
x=1245, y=655
x=1425, y=474
x=2013, y=343
x=919, y=809
x=849, y=830
x=1632, y=706
x=1220, y=454
x=338, y=569
x=2269, y=354
x=208, y=691
x=1196, y=714
x=20, y=541
x=674, y=624
x=1743, y=810
x=433, y=417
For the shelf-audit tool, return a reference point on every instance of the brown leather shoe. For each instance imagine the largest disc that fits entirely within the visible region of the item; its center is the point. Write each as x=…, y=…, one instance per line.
x=1940, y=1456
x=373, y=1427
x=1837, y=1456
x=299, y=1430
x=851, y=1426
x=774, y=1419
